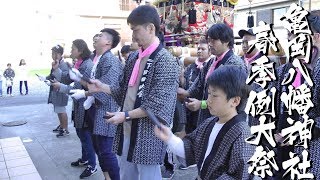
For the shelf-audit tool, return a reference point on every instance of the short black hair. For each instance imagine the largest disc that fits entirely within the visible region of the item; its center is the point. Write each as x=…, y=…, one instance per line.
x=125, y=49
x=314, y=21
x=115, y=36
x=145, y=14
x=161, y=37
x=82, y=46
x=231, y=79
x=58, y=49
x=9, y=64
x=96, y=35
x=222, y=32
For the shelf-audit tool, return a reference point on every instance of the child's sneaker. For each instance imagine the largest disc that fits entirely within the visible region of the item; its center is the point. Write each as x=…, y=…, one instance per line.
x=63, y=133
x=89, y=171
x=79, y=162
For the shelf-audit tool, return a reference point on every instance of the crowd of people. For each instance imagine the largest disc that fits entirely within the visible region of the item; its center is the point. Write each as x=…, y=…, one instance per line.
x=200, y=107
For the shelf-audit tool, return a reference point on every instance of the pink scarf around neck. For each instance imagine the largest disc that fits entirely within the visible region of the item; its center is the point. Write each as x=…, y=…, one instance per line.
x=78, y=63
x=147, y=52
x=213, y=66
x=297, y=81
x=249, y=60
x=199, y=63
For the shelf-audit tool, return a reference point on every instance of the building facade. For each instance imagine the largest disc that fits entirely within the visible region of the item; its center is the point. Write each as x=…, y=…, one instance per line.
x=31, y=27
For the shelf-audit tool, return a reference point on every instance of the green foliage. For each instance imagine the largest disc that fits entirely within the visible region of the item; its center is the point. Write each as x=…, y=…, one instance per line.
x=41, y=72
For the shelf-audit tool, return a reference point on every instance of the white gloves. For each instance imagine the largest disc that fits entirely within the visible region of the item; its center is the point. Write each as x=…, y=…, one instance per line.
x=88, y=103
x=41, y=78
x=47, y=82
x=78, y=93
x=75, y=75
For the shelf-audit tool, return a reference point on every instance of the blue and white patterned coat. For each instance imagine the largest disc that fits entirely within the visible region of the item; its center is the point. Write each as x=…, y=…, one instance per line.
x=314, y=113
x=199, y=88
x=109, y=71
x=314, y=145
x=79, y=111
x=159, y=96
x=229, y=155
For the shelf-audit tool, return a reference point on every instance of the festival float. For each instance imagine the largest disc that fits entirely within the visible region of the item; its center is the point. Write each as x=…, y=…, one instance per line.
x=184, y=22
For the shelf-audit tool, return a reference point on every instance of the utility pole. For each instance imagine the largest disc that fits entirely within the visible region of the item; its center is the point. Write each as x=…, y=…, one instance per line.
x=309, y=5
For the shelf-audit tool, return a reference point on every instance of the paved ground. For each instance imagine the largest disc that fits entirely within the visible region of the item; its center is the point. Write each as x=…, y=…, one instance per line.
x=51, y=156
x=38, y=93
x=15, y=162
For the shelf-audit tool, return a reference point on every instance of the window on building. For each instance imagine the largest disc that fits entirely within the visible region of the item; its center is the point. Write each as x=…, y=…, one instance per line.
x=277, y=14
x=124, y=5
